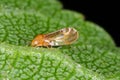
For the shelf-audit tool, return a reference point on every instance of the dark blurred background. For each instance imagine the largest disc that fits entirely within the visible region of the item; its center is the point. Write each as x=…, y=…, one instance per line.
x=103, y=13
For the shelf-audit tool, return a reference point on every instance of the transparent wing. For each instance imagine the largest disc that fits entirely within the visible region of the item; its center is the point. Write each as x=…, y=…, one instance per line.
x=64, y=36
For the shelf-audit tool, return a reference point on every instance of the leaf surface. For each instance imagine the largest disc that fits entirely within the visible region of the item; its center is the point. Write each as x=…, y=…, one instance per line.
x=93, y=56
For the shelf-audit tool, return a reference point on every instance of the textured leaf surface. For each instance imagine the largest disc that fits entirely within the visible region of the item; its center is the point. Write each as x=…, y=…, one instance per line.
x=18, y=63
x=48, y=7
x=102, y=61
x=20, y=28
x=93, y=56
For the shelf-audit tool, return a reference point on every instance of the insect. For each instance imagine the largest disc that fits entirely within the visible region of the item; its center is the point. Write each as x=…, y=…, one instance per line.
x=63, y=36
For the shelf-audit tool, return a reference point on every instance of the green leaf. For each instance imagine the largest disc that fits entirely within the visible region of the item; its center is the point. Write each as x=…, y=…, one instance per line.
x=19, y=28
x=92, y=57
x=48, y=7
x=100, y=60
x=25, y=63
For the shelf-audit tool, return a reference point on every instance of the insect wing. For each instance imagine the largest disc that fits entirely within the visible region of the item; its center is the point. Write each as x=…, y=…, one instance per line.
x=64, y=36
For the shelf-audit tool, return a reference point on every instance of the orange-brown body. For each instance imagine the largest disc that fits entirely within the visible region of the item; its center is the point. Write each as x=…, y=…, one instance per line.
x=39, y=41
